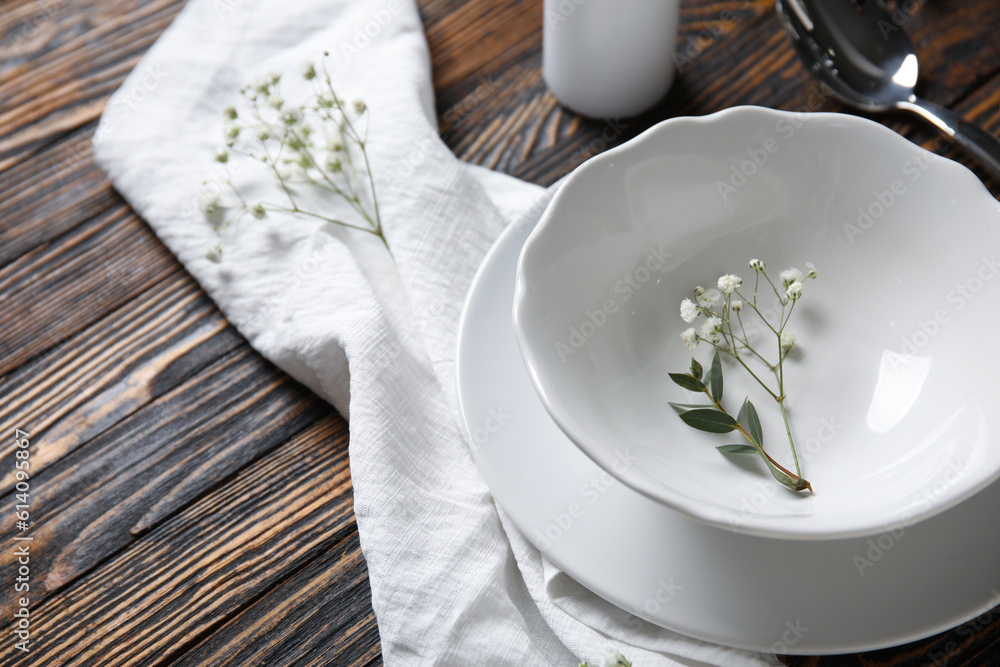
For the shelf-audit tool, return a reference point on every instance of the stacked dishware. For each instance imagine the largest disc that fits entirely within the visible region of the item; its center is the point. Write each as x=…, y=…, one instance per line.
x=890, y=393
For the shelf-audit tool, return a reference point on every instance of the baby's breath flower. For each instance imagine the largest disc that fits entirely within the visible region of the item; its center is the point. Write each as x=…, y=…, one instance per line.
x=214, y=255
x=787, y=340
x=729, y=282
x=334, y=141
x=721, y=306
x=690, y=338
x=322, y=120
x=792, y=275
x=709, y=298
x=710, y=326
x=616, y=659
x=208, y=201
x=689, y=310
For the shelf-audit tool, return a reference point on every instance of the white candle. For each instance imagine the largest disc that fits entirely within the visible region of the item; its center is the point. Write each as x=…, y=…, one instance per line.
x=606, y=58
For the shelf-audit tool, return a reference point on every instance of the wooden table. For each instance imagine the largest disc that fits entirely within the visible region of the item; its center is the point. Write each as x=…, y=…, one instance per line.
x=190, y=503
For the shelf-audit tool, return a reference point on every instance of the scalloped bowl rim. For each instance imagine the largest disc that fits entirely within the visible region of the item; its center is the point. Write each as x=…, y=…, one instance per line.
x=562, y=413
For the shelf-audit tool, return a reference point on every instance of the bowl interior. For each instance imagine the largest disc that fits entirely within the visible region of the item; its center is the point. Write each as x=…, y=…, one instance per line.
x=891, y=387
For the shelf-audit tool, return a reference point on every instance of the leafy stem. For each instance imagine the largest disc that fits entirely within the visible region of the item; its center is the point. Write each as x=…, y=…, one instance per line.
x=714, y=418
x=720, y=307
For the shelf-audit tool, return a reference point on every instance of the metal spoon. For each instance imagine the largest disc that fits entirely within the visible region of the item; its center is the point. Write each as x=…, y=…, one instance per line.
x=867, y=61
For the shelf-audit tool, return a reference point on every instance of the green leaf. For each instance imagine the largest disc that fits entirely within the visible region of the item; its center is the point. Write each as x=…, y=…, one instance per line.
x=791, y=481
x=688, y=382
x=743, y=411
x=709, y=420
x=690, y=406
x=715, y=377
x=696, y=369
x=737, y=449
x=753, y=424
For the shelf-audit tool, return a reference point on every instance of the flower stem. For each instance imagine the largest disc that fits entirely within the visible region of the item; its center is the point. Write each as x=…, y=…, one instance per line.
x=755, y=444
x=791, y=441
x=743, y=364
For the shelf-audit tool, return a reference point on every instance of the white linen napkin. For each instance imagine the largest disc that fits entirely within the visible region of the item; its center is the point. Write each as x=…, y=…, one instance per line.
x=453, y=582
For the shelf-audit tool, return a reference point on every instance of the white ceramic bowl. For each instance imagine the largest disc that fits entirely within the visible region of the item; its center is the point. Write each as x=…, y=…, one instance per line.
x=893, y=392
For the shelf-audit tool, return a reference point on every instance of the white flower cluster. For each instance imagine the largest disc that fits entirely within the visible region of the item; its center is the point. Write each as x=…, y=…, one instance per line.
x=792, y=280
x=705, y=301
x=320, y=142
x=293, y=130
x=717, y=305
x=729, y=283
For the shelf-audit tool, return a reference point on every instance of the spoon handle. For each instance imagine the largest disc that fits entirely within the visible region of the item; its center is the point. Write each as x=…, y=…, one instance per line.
x=976, y=140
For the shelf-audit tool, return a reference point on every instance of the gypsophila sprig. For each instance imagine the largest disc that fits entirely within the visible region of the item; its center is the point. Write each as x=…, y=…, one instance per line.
x=319, y=145
x=724, y=329
x=612, y=659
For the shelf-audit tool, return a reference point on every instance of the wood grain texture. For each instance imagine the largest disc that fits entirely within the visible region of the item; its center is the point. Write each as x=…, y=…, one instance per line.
x=191, y=504
x=310, y=618
x=51, y=192
x=83, y=275
x=206, y=564
x=83, y=387
x=65, y=78
x=141, y=471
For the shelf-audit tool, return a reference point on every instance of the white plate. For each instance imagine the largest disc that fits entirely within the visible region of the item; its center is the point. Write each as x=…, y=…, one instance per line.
x=737, y=590
x=893, y=385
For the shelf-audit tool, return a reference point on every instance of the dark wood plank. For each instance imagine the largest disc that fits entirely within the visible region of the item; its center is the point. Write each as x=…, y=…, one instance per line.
x=184, y=580
x=64, y=285
x=65, y=79
x=315, y=617
x=106, y=373
x=51, y=192
x=93, y=502
x=474, y=34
